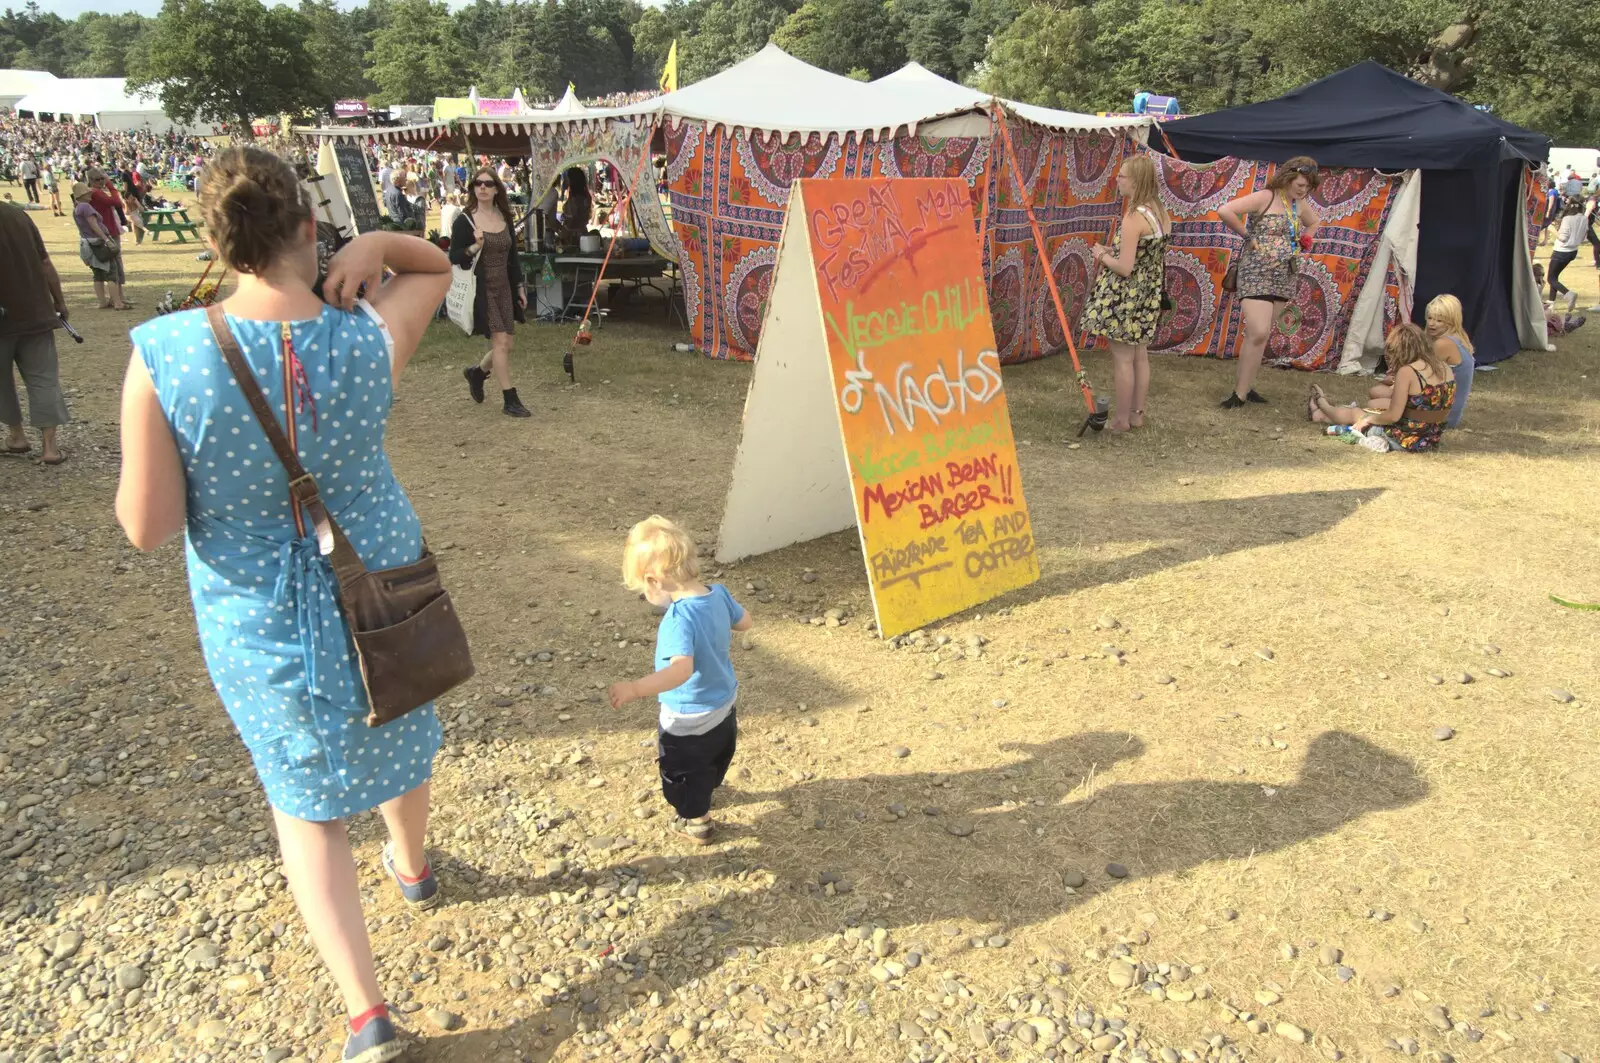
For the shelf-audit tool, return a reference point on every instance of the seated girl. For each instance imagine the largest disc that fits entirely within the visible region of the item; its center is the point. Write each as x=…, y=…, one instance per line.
x=1558, y=322
x=1452, y=345
x=1419, y=404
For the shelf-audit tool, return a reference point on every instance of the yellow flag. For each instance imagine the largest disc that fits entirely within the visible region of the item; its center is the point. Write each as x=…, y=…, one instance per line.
x=669, y=73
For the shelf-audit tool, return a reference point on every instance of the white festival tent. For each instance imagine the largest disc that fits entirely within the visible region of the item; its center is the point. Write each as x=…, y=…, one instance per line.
x=570, y=104
x=774, y=93
x=15, y=84
x=105, y=102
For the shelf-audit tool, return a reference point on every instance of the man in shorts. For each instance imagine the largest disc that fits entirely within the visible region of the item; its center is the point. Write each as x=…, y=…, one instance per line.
x=30, y=299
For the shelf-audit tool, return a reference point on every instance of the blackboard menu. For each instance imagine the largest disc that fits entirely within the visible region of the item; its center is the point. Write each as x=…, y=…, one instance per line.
x=358, y=190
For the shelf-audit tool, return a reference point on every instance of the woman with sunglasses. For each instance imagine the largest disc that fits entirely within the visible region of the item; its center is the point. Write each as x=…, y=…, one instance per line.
x=1279, y=227
x=483, y=237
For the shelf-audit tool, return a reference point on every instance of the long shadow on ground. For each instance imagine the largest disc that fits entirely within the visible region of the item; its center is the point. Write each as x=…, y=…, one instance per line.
x=1184, y=532
x=1006, y=874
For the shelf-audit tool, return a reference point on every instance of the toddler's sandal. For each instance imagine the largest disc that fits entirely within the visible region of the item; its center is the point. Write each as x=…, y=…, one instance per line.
x=697, y=831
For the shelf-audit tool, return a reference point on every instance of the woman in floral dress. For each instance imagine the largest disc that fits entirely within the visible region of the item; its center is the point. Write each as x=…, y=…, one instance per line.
x=1281, y=221
x=1125, y=304
x=1418, y=407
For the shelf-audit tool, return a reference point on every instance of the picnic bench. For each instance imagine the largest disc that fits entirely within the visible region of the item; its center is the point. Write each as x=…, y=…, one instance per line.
x=174, y=220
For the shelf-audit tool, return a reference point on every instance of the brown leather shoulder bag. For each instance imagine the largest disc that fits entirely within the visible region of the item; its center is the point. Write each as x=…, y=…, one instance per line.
x=408, y=636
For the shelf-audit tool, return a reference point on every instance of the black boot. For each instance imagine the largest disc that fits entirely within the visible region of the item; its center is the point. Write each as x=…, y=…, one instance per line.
x=514, y=406
x=475, y=378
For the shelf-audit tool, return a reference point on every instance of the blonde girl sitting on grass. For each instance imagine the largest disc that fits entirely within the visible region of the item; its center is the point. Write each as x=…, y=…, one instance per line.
x=1453, y=346
x=694, y=680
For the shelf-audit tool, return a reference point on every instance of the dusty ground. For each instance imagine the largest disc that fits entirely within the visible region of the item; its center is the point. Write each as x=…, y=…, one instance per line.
x=1299, y=847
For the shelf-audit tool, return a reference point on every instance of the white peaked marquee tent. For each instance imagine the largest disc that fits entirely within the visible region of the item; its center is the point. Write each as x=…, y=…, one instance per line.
x=104, y=101
x=15, y=84
x=569, y=104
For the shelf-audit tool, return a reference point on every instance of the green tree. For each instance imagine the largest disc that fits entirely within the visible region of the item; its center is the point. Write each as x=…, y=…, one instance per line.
x=107, y=41
x=416, y=54
x=985, y=18
x=226, y=61
x=653, y=35
x=1534, y=65
x=337, y=49
x=1047, y=56
x=35, y=40
x=1531, y=63
x=729, y=32
x=843, y=35
x=931, y=32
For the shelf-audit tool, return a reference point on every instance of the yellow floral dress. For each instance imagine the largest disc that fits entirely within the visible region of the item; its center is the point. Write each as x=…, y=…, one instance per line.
x=1128, y=309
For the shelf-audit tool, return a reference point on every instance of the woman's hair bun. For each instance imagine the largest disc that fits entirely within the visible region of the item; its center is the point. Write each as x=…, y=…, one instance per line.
x=254, y=206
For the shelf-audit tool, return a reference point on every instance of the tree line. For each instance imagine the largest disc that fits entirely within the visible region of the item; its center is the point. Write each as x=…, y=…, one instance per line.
x=227, y=60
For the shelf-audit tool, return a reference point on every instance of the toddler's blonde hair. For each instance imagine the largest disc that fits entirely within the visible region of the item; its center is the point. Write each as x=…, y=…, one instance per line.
x=657, y=547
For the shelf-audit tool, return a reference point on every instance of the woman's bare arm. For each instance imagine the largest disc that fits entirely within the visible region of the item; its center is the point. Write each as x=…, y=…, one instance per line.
x=1232, y=213
x=1406, y=384
x=152, y=500
x=408, y=302
x=1309, y=220
x=1134, y=227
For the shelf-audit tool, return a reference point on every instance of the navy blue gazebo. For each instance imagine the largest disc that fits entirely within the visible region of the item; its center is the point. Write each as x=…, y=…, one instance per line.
x=1472, y=167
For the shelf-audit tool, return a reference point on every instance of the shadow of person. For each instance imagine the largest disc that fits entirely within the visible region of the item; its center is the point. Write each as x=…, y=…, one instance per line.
x=995, y=853
x=1182, y=532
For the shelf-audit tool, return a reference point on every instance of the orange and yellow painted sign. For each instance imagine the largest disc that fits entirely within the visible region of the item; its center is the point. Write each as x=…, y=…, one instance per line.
x=922, y=406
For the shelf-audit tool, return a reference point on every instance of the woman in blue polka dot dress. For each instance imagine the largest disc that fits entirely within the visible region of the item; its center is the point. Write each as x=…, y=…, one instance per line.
x=266, y=601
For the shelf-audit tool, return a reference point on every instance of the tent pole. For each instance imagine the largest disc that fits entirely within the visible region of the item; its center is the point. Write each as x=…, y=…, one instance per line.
x=1049, y=275
x=1165, y=140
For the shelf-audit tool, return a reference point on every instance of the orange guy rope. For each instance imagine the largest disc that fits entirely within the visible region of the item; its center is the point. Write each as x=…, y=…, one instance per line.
x=1044, y=263
x=1166, y=140
x=621, y=211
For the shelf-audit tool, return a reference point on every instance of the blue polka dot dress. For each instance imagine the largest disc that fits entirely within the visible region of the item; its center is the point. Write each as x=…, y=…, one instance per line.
x=265, y=599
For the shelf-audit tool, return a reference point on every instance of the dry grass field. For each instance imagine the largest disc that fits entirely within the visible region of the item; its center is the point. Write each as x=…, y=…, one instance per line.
x=1230, y=681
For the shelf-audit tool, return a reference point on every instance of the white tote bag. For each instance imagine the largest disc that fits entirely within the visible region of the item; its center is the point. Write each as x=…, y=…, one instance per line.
x=463, y=294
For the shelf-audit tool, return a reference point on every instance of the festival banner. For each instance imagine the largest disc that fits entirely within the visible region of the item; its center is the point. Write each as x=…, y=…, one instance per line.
x=878, y=324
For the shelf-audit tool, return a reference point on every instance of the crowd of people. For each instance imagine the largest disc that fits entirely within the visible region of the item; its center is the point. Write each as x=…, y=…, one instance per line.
x=68, y=150
x=610, y=99
x=411, y=180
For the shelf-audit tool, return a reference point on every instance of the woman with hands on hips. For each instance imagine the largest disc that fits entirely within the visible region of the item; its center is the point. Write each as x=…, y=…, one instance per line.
x=1277, y=224
x=483, y=236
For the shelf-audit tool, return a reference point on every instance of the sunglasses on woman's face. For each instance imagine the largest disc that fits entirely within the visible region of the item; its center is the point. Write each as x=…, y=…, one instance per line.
x=483, y=184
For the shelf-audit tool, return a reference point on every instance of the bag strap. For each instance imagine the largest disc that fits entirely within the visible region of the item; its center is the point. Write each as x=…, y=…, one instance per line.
x=303, y=488
x=1149, y=216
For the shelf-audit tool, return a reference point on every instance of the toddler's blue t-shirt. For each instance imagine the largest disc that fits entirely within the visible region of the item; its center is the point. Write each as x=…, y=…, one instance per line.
x=702, y=628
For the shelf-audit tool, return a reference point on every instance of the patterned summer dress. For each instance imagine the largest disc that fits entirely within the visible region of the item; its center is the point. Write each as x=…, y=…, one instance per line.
x=1128, y=309
x=265, y=599
x=1268, y=270
x=501, y=313
x=1410, y=434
